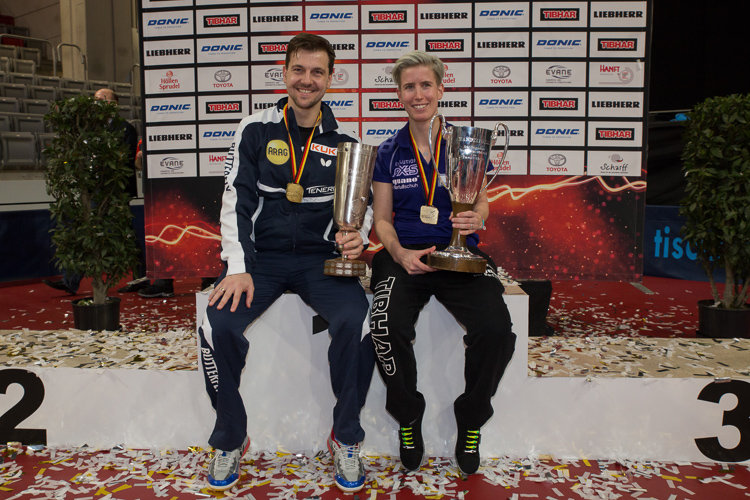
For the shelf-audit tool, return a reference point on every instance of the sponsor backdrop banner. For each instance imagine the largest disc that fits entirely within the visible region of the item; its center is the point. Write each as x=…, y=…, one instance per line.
x=567, y=77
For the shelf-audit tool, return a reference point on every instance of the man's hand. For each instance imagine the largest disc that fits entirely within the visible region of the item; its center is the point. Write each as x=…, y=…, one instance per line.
x=233, y=287
x=351, y=242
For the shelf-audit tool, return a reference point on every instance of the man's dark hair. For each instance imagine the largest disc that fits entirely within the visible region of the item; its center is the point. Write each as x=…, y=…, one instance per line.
x=310, y=43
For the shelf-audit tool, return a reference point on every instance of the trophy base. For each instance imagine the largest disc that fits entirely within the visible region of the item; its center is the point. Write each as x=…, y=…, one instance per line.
x=345, y=267
x=462, y=261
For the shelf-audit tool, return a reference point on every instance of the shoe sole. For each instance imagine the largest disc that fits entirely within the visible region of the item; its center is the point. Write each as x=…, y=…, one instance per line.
x=156, y=295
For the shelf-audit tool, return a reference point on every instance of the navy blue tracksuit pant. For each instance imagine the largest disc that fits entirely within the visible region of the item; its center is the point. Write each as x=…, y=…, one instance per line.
x=339, y=301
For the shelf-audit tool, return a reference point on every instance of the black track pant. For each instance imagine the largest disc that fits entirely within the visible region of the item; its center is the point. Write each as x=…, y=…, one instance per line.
x=475, y=300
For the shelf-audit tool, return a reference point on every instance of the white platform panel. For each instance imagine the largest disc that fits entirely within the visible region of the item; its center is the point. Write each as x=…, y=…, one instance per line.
x=287, y=391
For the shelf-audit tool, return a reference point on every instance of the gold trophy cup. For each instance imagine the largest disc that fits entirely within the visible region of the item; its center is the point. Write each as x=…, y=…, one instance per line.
x=355, y=163
x=467, y=156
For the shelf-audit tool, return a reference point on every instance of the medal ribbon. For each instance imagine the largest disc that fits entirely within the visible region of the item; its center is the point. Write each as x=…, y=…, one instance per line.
x=429, y=188
x=297, y=173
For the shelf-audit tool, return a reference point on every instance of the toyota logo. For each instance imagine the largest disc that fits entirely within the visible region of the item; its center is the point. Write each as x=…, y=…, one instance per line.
x=557, y=160
x=222, y=75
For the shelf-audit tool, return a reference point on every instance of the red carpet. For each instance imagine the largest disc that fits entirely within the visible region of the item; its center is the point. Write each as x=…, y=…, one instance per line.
x=576, y=307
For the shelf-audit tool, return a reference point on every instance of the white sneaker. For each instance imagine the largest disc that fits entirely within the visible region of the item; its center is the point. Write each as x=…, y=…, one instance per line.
x=224, y=470
x=348, y=470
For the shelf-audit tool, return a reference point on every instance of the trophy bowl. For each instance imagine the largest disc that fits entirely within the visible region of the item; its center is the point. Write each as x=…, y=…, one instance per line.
x=467, y=156
x=355, y=164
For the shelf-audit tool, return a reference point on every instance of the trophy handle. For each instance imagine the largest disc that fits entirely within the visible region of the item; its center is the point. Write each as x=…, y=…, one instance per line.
x=505, y=152
x=432, y=146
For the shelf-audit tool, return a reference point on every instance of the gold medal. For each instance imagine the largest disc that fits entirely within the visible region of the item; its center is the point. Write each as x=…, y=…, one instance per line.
x=428, y=214
x=294, y=192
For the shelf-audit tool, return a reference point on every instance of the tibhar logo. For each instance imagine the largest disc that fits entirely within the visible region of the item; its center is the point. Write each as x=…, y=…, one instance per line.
x=378, y=325
x=396, y=16
x=566, y=104
x=385, y=104
x=617, y=134
x=560, y=14
x=224, y=107
x=445, y=45
x=618, y=44
x=218, y=21
x=171, y=163
x=271, y=48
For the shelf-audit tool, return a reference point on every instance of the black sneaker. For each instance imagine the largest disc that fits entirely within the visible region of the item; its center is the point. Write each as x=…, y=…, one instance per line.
x=467, y=450
x=154, y=292
x=135, y=285
x=207, y=283
x=411, y=445
x=59, y=285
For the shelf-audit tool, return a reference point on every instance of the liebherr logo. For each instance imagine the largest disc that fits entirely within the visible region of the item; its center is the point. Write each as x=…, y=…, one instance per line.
x=379, y=327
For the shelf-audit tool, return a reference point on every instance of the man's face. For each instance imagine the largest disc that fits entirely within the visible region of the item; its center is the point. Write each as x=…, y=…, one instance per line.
x=307, y=78
x=105, y=95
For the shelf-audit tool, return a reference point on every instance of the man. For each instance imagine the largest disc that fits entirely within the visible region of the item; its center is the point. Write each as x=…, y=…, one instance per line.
x=277, y=231
x=70, y=282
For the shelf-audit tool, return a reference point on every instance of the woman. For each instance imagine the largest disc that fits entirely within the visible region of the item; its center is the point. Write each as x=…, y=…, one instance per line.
x=413, y=218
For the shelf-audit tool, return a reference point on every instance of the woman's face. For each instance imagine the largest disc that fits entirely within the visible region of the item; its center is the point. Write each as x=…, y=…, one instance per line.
x=420, y=92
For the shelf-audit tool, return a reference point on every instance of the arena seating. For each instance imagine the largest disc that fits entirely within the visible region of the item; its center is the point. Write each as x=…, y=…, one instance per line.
x=26, y=96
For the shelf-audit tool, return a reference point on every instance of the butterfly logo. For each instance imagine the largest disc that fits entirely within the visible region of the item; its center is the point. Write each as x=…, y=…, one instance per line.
x=325, y=163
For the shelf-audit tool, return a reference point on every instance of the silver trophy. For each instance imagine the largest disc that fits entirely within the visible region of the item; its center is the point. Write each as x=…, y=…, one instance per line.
x=467, y=156
x=355, y=163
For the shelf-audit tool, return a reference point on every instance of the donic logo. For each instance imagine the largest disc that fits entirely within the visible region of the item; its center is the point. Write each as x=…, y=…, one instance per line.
x=169, y=22
x=331, y=15
x=171, y=107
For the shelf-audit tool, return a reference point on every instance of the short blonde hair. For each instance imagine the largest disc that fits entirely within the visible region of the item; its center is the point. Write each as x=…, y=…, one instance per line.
x=418, y=58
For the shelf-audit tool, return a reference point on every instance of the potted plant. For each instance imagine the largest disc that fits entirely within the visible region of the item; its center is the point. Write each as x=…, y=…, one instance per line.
x=87, y=175
x=717, y=208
